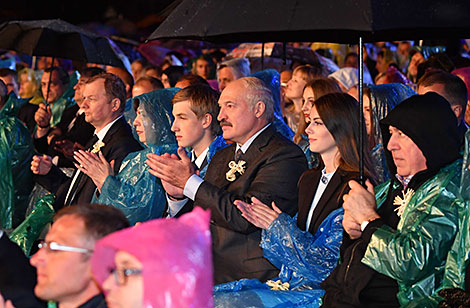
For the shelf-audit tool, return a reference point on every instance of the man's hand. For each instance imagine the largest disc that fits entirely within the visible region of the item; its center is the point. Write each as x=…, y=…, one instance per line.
x=95, y=166
x=359, y=206
x=258, y=213
x=41, y=164
x=170, y=169
x=351, y=226
x=5, y=303
x=43, y=115
x=67, y=148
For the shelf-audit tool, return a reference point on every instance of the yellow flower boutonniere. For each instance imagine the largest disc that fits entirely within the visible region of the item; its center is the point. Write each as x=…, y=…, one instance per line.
x=97, y=147
x=235, y=167
x=403, y=202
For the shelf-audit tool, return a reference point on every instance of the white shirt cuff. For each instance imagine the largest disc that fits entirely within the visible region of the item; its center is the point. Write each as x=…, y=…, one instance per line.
x=175, y=206
x=55, y=160
x=192, y=185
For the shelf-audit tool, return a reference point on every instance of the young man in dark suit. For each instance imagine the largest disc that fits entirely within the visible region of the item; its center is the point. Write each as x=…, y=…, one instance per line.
x=104, y=101
x=260, y=163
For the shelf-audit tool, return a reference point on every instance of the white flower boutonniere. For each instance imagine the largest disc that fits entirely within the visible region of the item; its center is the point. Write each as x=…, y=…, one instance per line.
x=403, y=202
x=277, y=285
x=97, y=147
x=234, y=167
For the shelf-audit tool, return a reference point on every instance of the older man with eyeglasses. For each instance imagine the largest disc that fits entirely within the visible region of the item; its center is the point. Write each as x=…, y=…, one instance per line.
x=63, y=259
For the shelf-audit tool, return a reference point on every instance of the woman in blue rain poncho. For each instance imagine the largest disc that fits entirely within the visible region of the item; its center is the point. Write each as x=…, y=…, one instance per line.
x=378, y=101
x=305, y=248
x=133, y=190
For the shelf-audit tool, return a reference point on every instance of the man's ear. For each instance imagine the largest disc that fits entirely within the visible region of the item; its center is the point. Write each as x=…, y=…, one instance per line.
x=206, y=120
x=457, y=109
x=116, y=104
x=260, y=108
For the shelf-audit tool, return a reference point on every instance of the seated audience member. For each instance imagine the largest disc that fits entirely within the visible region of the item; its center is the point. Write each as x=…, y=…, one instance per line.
x=72, y=132
x=392, y=75
x=437, y=61
x=453, y=89
x=302, y=75
x=385, y=59
x=195, y=126
x=267, y=166
x=146, y=84
x=378, y=100
x=153, y=71
x=464, y=74
x=55, y=96
x=63, y=261
x=137, y=68
x=125, y=76
x=103, y=103
x=306, y=248
x=189, y=80
x=204, y=67
x=135, y=272
x=351, y=60
x=171, y=75
x=18, y=277
x=399, y=236
x=16, y=151
x=230, y=70
x=419, y=54
x=29, y=86
x=10, y=78
x=137, y=193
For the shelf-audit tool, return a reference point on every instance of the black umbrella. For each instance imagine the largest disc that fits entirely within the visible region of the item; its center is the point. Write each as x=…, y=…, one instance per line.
x=59, y=39
x=339, y=21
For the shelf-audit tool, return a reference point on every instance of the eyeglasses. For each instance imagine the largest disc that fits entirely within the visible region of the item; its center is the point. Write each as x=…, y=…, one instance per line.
x=53, y=246
x=120, y=275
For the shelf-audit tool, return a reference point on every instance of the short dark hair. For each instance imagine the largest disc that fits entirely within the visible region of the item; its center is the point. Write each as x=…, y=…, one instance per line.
x=100, y=220
x=114, y=88
x=63, y=76
x=154, y=82
x=203, y=99
x=89, y=72
x=454, y=87
x=173, y=73
x=193, y=79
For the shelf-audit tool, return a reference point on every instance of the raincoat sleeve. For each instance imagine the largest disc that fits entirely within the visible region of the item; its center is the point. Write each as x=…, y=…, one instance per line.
x=300, y=253
x=424, y=234
x=136, y=192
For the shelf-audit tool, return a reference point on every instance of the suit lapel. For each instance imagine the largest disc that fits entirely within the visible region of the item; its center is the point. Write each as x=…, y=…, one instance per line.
x=306, y=194
x=324, y=204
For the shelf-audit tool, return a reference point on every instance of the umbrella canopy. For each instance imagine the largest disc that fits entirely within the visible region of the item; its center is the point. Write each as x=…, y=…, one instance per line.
x=341, y=21
x=57, y=38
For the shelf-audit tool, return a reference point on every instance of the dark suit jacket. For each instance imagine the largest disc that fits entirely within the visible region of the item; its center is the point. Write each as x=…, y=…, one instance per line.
x=17, y=276
x=26, y=115
x=119, y=142
x=331, y=199
x=273, y=167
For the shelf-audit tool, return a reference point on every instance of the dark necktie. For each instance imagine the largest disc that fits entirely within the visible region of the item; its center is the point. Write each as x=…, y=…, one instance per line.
x=76, y=184
x=238, y=155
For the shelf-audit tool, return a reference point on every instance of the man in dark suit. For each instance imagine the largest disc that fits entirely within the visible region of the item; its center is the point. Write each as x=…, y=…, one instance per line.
x=104, y=101
x=72, y=132
x=260, y=163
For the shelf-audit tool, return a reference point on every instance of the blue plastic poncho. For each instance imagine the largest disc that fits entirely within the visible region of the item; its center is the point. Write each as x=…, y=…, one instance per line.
x=134, y=190
x=218, y=144
x=272, y=79
x=305, y=261
x=384, y=98
x=16, y=182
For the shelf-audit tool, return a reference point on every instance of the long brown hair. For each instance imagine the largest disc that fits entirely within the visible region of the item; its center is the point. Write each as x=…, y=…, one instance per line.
x=340, y=114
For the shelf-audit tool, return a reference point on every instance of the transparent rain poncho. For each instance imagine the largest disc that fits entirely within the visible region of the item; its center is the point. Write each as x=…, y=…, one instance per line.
x=384, y=98
x=16, y=181
x=175, y=255
x=134, y=190
x=305, y=260
x=65, y=101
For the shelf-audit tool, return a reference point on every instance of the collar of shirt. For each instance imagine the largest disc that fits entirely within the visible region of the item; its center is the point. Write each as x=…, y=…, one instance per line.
x=247, y=144
x=1, y=233
x=404, y=180
x=200, y=159
x=105, y=129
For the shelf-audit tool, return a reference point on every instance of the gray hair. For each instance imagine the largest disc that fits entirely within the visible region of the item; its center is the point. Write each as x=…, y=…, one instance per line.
x=3, y=93
x=240, y=67
x=258, y=91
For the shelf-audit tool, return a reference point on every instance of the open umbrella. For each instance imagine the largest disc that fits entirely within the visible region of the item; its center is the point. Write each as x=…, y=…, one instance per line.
x=57, y=38
x=339, y=21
